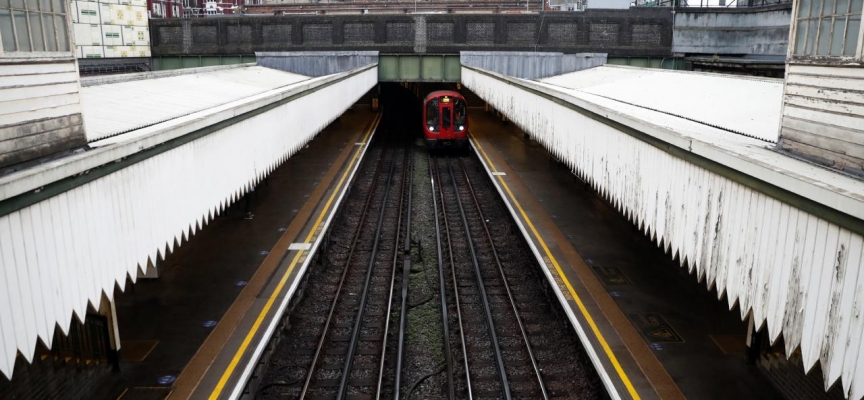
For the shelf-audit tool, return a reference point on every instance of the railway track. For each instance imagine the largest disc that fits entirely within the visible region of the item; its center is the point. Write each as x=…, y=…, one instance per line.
x=340, y=345
x=503, y=336
x=497, y=357
x=541, y=354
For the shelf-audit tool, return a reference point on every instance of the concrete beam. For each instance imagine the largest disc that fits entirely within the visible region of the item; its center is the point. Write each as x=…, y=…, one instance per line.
x=637, y=32
x=316, y=63
x=531, y=65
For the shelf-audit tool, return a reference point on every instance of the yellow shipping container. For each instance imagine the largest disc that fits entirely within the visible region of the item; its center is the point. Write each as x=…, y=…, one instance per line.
x=118, y=14
x=139, y=15
x=136, y=36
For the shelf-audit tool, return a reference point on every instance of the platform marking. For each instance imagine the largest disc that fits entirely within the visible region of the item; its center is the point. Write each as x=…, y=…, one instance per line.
x=300, y=246
x=576, y=298
x=655, y=328
x=166, y=380
x=498, y=173
x=220, y=386
x=611, y=276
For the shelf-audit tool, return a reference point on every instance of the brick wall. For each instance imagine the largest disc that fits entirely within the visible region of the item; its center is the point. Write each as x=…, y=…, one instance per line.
x=642, y=32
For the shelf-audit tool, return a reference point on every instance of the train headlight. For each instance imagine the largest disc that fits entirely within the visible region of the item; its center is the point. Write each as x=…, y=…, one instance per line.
x=461, y=128
x=431, y=129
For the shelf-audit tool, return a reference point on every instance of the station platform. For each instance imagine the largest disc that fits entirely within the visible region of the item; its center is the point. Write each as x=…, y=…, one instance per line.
x=657, y=331
x=192, y=330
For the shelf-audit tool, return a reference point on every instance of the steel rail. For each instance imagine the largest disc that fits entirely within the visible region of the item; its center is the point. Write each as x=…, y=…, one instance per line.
x=522, y=329
x=455, y=285
x=361, y=310
x=410, y=171
x=406, y=274
x=403, y=322
x=499, y=359
x=406, y=183
x=434, y=176
x=354, y=240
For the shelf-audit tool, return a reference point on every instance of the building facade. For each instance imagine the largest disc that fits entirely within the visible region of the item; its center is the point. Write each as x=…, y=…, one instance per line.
x=40, y=109
x=165, y=8
x=205, y=8
x=823, y=104
x=110, y=28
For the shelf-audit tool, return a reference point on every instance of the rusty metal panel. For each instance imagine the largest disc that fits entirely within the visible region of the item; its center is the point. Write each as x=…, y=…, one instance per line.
x=797, y=272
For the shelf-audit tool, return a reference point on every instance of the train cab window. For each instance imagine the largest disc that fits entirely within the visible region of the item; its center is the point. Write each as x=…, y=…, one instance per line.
x=459, y=113
x=446, y=117
x=432, y=114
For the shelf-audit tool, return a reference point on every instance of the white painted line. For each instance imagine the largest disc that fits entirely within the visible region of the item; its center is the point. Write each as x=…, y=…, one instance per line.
x=359, y=143
x=300, y=246
x=499, y=173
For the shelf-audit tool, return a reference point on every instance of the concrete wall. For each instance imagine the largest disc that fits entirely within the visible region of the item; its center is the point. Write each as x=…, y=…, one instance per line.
x=40, y=109
x=608, y=4
x=528, y=65
x=643, y=32
x=733, y=31
x=316, y=63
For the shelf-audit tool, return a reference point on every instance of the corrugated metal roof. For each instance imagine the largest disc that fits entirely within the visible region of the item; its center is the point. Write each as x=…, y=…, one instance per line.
x=115, y=108
x=743, y=105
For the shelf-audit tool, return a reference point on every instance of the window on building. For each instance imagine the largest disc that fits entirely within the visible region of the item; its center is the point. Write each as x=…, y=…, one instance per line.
x=828, y=28
x=33, y=26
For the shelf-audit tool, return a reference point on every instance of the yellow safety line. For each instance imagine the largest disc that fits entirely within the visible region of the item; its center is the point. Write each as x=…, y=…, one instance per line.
x=579, y=303
x=242, y=350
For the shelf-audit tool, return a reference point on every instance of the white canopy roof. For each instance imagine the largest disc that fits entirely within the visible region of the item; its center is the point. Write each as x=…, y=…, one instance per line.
x=125, y=105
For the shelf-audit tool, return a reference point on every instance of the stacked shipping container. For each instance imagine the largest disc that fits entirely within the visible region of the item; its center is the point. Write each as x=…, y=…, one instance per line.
x=110, y=28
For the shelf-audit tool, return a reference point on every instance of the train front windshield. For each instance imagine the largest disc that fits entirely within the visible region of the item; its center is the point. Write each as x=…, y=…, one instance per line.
x=432, y=115
x=459, y=113
x=446, y=114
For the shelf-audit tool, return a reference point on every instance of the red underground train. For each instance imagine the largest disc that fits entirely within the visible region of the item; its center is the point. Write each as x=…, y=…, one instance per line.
x=445, y=117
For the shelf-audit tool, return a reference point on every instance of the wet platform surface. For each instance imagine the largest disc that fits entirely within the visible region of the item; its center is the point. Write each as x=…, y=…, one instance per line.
x=164, y=322
x=668, y=335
